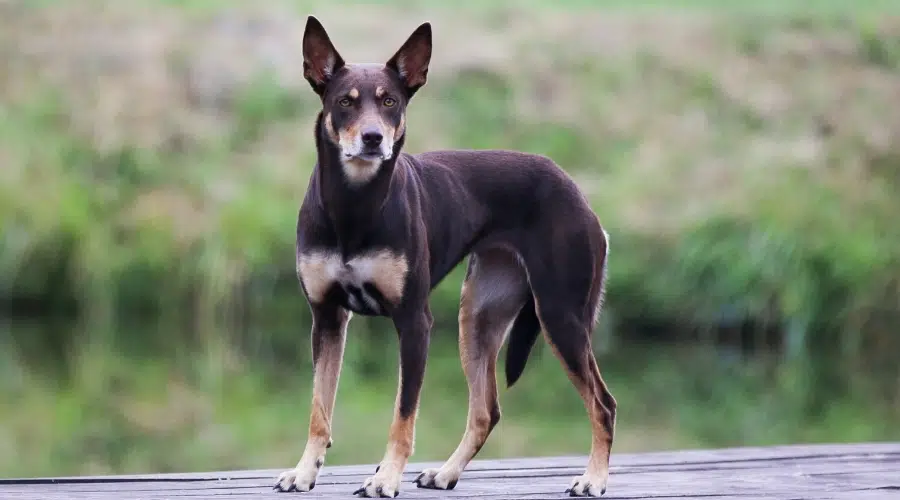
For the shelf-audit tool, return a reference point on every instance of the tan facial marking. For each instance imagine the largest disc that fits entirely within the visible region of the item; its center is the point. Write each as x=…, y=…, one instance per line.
x=379, y=92
x=401, y=129
x=354, y=93
x=384, y=269
x=329, y=129
x=390, y=133
x=347, y=135
x=356, y=170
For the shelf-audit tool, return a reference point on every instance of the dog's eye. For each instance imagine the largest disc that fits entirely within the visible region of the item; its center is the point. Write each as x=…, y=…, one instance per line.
x=345, y=102
x=389, y=101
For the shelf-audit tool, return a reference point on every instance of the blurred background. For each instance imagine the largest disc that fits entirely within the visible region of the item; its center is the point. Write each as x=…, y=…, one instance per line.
x=745, y=160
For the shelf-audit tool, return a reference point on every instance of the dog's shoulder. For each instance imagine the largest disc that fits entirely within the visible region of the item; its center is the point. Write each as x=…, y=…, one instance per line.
x=311, y=216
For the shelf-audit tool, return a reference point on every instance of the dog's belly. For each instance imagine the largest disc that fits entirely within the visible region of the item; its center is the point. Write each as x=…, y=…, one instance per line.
x=367, y=284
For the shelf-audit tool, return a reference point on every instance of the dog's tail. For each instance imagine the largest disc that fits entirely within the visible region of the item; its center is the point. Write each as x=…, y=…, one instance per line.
x=524, y=332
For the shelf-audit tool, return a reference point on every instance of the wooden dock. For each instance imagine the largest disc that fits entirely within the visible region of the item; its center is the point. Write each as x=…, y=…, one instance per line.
x=851, y=472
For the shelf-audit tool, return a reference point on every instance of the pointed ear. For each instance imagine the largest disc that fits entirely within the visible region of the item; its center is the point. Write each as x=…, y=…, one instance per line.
x=411, y=61
x=320, y=59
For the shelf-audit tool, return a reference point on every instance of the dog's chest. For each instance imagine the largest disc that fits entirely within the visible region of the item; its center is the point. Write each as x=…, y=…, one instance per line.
x=367, y=284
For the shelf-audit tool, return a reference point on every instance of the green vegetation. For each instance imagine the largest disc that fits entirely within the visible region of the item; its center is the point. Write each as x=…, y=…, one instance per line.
x=153, y=158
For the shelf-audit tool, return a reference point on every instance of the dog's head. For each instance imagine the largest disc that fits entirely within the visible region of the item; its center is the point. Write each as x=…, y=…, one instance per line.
x=364, y=105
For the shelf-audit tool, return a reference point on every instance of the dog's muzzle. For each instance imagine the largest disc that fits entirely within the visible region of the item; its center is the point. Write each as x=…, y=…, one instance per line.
x=370, y=144
x=372, y=139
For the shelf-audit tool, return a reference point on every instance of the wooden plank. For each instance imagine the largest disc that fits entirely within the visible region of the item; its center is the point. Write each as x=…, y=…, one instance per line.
x=814, y=470
x=857, y=471
x=653, y=459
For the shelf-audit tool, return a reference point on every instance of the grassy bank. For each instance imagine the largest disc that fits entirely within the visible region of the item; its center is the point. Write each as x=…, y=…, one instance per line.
x=154, y=157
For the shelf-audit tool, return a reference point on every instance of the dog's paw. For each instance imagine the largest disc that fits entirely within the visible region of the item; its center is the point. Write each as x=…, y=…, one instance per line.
x=379, y=486
x=435, y=480
x=297, y=480
x=588, y=485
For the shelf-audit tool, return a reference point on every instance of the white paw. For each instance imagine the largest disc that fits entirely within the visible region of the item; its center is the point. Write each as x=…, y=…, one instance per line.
x=436, y=480
x=298, y=479
x=384, y=486
x=588, y=485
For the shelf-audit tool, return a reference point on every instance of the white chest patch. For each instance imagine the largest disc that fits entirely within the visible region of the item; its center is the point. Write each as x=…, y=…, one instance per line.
x=383, y=269
x=360, y=171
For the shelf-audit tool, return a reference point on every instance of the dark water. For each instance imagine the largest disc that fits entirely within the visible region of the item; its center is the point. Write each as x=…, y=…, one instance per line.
x=84, y=385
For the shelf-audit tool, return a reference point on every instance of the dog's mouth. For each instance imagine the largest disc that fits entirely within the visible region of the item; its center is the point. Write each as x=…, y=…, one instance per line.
x=364, y=156
x=367, y=156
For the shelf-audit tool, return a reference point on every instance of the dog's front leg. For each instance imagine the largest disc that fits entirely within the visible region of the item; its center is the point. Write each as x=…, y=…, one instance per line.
x=329, y=333
x=414, y=329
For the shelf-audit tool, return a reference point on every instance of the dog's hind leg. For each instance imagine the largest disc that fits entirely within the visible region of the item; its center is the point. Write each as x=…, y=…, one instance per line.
x=329, y=332
x=568, y=296
x=493, y=292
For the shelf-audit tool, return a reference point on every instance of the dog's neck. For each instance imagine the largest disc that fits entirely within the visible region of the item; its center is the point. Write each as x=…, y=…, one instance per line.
x=351, y=205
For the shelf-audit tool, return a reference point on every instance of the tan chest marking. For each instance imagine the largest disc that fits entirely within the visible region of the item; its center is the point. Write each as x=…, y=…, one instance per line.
x=385, y=270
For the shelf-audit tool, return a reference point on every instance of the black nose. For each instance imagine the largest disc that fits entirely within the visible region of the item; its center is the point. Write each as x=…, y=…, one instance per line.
x=372, y=138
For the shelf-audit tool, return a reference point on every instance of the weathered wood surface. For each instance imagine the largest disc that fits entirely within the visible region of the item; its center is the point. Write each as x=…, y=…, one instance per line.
x=857, y=472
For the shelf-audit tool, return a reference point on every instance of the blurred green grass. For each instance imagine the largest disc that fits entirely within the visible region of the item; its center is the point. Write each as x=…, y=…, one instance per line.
x=154, y=158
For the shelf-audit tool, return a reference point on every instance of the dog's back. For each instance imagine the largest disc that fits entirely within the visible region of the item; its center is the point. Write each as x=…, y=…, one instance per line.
x=503, y=177
x=495, y=197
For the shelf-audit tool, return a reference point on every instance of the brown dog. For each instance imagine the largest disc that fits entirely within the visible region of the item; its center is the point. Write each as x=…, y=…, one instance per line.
x=379, y=229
